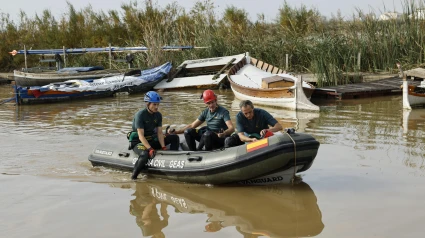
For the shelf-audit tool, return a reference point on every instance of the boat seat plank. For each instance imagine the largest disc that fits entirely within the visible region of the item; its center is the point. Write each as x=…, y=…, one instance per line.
x=254, y=61
x=244, y=81
x=260, y=64
x=195, y=81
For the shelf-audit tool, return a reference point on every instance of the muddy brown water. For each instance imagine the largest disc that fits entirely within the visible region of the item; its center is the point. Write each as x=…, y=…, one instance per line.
x=368, y=179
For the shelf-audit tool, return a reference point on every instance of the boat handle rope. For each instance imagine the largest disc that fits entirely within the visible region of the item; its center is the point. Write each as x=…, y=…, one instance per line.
x=295, y=157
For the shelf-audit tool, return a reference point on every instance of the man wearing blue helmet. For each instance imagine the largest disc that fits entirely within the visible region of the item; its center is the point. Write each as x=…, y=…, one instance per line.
x=149, y=137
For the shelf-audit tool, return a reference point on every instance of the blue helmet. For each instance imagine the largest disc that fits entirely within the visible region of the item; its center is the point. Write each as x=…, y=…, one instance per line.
x=152, y=96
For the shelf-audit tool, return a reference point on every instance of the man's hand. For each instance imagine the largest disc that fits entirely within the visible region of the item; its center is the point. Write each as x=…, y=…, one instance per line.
x=263, y=132
x=151, y=153
x=221, y=135
x=170, y=130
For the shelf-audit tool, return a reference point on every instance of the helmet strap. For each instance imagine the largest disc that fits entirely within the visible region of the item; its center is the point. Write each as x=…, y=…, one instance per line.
x=147, y=106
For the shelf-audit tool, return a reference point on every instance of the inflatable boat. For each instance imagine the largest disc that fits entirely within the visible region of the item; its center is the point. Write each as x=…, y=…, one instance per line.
x=271, y=160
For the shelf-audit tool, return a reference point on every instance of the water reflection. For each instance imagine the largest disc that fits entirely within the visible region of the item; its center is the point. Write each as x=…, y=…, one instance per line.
x=414, y=120
x=283, y=211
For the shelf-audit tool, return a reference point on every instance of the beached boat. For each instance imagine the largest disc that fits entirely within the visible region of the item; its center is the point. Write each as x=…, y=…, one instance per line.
x=40, y=77
x=264, y=84
x=271, y=211
x=131, y=82
x=272, y=160
x=209, y=73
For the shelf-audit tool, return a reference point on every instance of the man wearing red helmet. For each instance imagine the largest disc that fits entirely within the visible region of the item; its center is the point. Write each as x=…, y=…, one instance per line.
x=219, y=126
x=252, y=124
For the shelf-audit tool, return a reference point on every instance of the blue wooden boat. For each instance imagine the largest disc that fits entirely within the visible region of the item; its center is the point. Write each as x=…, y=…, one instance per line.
x=132, y=82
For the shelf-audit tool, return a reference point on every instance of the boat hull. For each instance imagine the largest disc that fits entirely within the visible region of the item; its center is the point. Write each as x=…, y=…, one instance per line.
x=264, y=84
x=132, y=82
x=200, y=74
x=416, y=97
x=275, y=161
x=26, y=97
x=44, y=78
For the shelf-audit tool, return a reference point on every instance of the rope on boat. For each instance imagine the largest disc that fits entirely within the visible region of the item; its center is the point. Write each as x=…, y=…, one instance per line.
x=295, y=157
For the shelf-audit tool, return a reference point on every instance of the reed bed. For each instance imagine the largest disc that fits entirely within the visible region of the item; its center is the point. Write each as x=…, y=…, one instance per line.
x=328, y=48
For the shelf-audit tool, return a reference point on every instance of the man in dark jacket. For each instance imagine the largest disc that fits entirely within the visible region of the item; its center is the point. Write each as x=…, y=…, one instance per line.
x=252, y=124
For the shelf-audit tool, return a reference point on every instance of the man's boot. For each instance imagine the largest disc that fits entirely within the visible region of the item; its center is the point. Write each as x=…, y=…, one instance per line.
x=139, y=165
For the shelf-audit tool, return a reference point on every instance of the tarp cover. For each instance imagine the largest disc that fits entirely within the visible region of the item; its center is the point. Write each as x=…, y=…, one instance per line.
x=80, y=69
x=108, y=83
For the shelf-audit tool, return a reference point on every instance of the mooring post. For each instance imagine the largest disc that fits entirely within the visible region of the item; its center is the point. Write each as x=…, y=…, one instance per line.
x=25, y=57
x=64, y=56
x=358, y=60
x=287, y=62
x=110, y=56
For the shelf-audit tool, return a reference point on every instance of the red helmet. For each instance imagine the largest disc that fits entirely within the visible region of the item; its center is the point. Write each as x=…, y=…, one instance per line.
x=208, y=96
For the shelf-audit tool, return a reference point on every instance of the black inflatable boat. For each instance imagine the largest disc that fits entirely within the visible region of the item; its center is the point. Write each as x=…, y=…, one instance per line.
x=271, y=160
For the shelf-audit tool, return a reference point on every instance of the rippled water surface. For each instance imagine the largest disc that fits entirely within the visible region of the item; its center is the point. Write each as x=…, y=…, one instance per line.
x=368, y=179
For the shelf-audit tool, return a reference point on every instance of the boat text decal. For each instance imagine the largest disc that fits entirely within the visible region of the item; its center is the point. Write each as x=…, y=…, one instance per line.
x=160, y=163
x=103, y=152
x=262, y=180
x=257, y=145
x=158, y=194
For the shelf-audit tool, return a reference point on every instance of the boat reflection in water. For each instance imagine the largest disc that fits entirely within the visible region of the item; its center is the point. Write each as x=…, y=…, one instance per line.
x=276, y=211
x=413, y=120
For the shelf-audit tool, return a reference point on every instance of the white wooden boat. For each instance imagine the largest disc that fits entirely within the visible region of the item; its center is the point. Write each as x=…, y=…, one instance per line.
x=264, y=84
x=209, y=73
x=413, y=95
